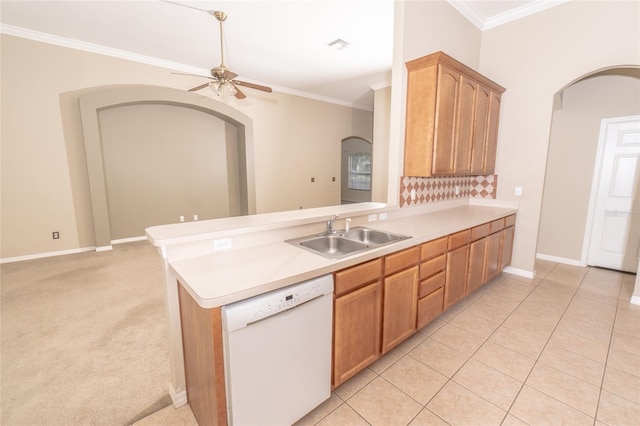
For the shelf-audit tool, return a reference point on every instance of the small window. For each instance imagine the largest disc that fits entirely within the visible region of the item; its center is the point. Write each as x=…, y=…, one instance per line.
x=360, y=171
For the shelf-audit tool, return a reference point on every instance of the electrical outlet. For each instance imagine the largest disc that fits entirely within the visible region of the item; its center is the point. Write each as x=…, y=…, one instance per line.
x=383, y=216
x=518, y=191
x=373, y=217
x=56, y=235
x=413, y=195
x=181, y=218
x=456, y=190
x=222, y=244
x=195, y=217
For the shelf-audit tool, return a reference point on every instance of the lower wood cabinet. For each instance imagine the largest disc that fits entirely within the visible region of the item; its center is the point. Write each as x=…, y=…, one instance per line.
x=399, y=314
x=455, y=288
x=357, y=322
x=380, y=303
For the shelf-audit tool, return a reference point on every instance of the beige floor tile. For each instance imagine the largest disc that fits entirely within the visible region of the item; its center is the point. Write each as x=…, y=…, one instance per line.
x=622, y=384
x=567, y=273
x=615, y=410
x=626, y=361
x=458, y=339
x=542, y=315
x=474, y=324
x=625, y=342
x=459, y=406
x=381, y=403
x=415, y=379
x=488, y=312
x=432, y=327
x=521, y=320
x=536, y=408
x=580, y=345
x=505, y=360
x=440, y=357
x=321, y=411
x=512, y=420
x=543, y=267
x=491, y=384
x=628, y=322
x=585, y=328
x=565, y=388
x=343, y=415
x=354, y=384
x=576, y=365
x=526, y=342
x=413, y=341
x=513, y=289
x=386, y=361
x=427, y=418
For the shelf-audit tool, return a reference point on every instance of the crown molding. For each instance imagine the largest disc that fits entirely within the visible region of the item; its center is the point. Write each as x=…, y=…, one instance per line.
x=149, y=60
x=467, y=9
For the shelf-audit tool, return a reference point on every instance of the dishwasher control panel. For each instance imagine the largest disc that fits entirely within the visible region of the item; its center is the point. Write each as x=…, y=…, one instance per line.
x=240, y=314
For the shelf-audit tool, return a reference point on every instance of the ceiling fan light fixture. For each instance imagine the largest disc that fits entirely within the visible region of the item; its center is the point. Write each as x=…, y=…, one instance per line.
x=222, y=89
x=338, y=44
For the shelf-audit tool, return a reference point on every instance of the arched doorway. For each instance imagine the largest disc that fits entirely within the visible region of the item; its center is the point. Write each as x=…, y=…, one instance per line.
x=565, y=224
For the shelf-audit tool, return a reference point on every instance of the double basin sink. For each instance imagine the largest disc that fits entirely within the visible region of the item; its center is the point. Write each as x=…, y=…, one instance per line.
x=340, y=244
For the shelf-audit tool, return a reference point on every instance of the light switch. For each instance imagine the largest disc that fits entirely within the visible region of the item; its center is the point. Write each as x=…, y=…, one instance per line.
x=518, y=191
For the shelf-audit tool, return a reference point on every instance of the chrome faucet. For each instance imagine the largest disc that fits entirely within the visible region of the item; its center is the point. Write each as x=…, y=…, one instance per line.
x=330, y=224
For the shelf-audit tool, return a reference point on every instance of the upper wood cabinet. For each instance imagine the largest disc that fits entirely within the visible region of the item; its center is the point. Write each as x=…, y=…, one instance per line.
x=451, y=119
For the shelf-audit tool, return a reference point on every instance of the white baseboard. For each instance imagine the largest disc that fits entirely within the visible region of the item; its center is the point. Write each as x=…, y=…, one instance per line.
x=104, y=248
x=520, y=272
x=179, y=398
x=557, y=259
x=128, y=240
x=635, y=300
x=48, y=254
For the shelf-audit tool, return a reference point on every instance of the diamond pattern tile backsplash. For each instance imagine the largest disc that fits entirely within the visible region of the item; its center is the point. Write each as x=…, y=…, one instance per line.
x=434, y=189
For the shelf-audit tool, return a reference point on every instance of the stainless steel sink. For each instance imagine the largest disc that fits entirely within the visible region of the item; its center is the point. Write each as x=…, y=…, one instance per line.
x=341, y=244
x=372, y=236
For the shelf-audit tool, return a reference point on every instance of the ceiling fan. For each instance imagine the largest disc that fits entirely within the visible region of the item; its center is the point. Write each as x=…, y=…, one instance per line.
x=224, y=82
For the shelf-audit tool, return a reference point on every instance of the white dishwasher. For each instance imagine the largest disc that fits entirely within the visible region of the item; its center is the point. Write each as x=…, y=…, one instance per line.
x=277, y=353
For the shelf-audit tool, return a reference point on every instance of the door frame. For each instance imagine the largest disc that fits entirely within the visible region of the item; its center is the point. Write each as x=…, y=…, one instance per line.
x=595, y=183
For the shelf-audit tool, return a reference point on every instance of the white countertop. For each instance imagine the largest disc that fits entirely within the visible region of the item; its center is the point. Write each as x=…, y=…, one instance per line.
x=226, y=277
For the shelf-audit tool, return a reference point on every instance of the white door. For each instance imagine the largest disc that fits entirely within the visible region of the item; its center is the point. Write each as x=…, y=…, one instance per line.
x=615, y=235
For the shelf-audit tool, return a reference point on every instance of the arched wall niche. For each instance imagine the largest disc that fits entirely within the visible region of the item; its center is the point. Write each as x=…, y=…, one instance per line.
x=92, y=104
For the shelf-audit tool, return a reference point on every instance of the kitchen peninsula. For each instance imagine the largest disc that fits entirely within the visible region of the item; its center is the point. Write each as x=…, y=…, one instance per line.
x=222, y=261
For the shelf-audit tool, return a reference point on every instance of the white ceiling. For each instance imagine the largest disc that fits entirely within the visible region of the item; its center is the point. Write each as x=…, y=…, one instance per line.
x=280, y=43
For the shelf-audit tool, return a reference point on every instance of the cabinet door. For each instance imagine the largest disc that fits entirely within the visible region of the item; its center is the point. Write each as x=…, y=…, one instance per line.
x=455, y=287
x=481, y=116
x=477, y=253
x=463, y=145
x=492, y=259
x=491, y=145
x=400, y=305
x=356, y=340
x=507, y=247
x=446, y=99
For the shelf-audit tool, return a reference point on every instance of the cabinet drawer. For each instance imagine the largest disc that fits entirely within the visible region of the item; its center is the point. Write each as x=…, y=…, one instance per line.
x=433, y=266
x=357, y=276
x=509, y=221
x=497, y=225
x=431, y=284
x=480, y=231
x=401, y=260
x=459, y=239
x=430, y=307
x=433, y=248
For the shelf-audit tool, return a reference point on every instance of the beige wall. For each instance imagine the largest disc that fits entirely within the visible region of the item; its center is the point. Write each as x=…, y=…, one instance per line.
x=573, y=145
x=534, y=58
x=44, y=175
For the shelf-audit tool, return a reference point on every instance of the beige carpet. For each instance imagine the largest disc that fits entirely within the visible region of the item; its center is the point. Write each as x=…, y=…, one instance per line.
x=84, y=338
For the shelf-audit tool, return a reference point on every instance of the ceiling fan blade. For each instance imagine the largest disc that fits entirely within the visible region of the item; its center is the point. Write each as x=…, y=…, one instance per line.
x=252, y=86
x=195, y=89
x=193, y=75
x=239, y=94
